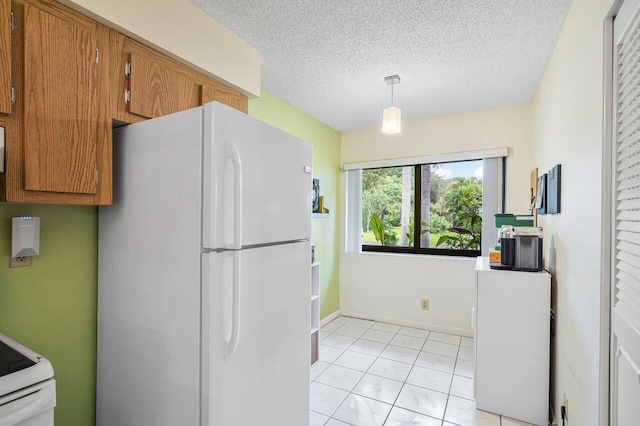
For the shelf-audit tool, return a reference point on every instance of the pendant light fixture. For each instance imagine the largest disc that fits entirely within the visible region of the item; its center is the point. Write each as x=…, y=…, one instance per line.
x=391, y=122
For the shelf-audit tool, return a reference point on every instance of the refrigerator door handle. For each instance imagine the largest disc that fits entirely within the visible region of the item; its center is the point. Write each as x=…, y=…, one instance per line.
x=234, y=155
x=232, y=343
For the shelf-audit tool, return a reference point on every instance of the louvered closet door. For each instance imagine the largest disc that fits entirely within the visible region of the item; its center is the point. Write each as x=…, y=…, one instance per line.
x=625, y=311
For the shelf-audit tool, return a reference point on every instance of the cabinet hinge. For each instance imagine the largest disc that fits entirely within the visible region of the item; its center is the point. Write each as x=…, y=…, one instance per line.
x=97, y=176
x=13, y=21
x=97, y=56
x=127, y=69
x=13, y=95
x=127, y=96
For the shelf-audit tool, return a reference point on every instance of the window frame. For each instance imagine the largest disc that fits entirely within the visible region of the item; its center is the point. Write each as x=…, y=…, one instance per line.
x=417, y=214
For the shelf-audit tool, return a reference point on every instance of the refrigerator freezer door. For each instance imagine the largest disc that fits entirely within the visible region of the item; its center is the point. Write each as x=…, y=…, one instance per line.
x=257, y=182
x=256, y=342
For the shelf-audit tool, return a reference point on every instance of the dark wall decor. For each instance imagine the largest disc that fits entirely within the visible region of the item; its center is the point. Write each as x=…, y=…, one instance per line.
x=553, y=186
x=548, y=197
x=541, y=198
x=315, y=197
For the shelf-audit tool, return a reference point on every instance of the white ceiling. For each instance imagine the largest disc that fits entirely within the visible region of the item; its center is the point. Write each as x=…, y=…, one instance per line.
x=329, y=58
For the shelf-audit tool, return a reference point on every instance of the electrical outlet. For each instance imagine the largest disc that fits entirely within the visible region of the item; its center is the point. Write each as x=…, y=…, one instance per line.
x=18, y=262
x=425, y=304
x=566, y=406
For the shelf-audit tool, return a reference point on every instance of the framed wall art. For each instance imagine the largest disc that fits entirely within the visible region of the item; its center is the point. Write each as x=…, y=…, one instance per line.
x=541, y=198
x=553, y=189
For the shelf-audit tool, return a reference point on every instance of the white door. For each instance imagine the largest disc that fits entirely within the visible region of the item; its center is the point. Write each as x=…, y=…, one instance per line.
x=256, y=336
x=257, y=181
x=625, y=300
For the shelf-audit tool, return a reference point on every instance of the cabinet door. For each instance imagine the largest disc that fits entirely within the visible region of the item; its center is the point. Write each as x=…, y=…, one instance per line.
x=224, y=95
x=5, y=57
x=513, y=343
x=157, y=88
x=62, y=117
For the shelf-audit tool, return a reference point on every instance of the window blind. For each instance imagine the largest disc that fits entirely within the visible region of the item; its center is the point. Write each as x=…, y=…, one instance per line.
x=428, y=159
x=353, y=201
x=491, y=201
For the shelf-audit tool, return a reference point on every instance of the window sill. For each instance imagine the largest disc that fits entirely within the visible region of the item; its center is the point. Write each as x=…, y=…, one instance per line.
x=416, y=255
x=421, y=252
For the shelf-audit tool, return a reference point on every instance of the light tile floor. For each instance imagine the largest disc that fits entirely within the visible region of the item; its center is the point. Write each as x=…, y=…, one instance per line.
x=374, y=374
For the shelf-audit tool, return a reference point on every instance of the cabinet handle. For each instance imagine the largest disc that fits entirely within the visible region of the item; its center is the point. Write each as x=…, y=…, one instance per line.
x=2, y=146
x=127, y=69
x=127, y=96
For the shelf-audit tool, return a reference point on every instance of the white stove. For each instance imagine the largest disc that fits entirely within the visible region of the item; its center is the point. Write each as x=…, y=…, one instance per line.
x=27, y=387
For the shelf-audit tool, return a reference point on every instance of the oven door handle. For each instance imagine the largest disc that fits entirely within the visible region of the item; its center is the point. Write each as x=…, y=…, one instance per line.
x=29, y=405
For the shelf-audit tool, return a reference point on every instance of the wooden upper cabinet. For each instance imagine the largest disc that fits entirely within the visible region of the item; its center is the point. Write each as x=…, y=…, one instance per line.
x=158, y=87
x=70, y=78
x=5, y=57
x=155, y=85
x=61, y=106
x=225, y=95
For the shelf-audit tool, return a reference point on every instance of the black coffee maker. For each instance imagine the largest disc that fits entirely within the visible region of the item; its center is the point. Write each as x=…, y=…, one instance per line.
x=507, y=237
x=520, y=251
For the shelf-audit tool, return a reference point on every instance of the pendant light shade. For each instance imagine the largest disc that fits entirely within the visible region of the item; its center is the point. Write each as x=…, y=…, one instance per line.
x=391, y=121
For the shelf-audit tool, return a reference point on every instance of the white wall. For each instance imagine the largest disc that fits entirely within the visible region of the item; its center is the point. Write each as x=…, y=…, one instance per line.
x=567, y=129
x=390, y=287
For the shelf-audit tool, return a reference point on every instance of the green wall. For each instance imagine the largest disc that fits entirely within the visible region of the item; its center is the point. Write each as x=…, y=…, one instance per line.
x=50, y=306
x=326, y=167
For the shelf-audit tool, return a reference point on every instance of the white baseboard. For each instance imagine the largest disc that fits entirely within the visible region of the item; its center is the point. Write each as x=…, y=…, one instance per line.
x=326, y=320
x=414, y=324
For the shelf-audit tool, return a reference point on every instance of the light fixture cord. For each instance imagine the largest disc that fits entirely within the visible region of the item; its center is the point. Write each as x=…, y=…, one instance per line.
x=391, y=94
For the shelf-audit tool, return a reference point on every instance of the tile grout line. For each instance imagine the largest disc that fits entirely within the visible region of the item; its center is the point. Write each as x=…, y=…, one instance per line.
x=379, y=356
x=386, y=345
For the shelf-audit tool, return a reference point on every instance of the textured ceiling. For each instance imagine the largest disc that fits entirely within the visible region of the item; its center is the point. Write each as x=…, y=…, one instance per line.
x=329, y=58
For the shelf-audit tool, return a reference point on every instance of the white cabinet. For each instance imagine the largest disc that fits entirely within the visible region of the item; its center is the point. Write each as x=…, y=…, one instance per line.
x=315, y=310
x=512, y=341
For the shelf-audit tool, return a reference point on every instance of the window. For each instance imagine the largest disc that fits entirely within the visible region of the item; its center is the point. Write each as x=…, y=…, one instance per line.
x=424, y=208
x=433, y=207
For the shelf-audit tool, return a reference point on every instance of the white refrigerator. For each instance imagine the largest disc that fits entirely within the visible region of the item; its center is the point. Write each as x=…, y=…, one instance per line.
x=204, y=274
